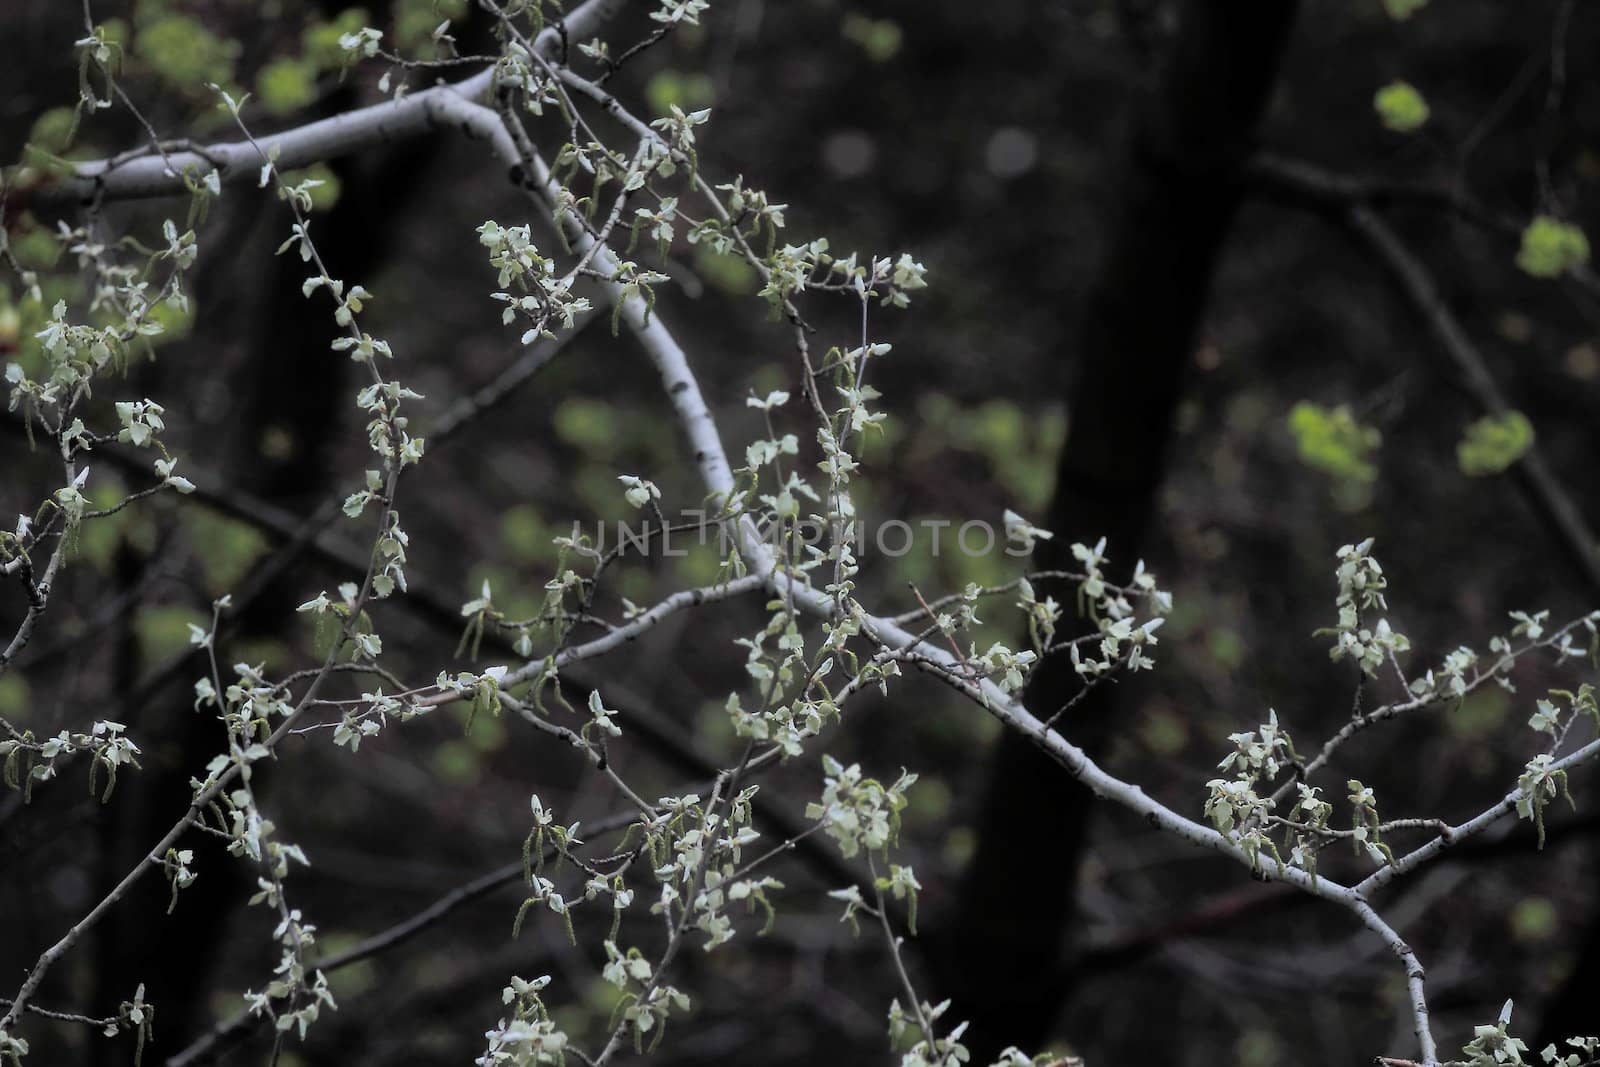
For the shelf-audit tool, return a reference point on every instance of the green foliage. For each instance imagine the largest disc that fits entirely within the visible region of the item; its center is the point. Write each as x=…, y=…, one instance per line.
x=53, y=131
x=321, y=184
x=184, y=54
x=1258, y=1047
x=226, y=548
x=97, y=541
x=1551, y=247
x=670, y=88
x=114, y=32
x=487, y=734
x=511, y=597
x=1534, y=918
x=14, y=700
x=414, y=20
x=359, y=977
x=1164, y=731
x=587, y=424
x=1331, y=440
x=880, y=39
x=699, y=564
x=175, y=322
x=1493, y=443
x=286, y=85
x=36, y=248
x=728, y=273
x=10, y=324
x=1400, y=10
x=320, y=41
x=1482, y=714
x=1401, y=107
x=1227, y=648
x=272, y=654
x=524, y=534
x=999, y=428
x=457, y=762
x=164, y=630
x=1020, y=444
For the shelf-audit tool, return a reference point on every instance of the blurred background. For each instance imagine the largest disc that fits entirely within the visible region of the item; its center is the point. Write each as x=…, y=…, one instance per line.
x=1165, y=306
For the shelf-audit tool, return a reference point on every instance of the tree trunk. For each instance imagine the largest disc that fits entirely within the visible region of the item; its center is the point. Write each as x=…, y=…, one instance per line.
x=1007, y=962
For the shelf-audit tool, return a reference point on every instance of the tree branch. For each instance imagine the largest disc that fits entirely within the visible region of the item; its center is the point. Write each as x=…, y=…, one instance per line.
x=241, y=1022
x=1351, y=202
x=120, y=178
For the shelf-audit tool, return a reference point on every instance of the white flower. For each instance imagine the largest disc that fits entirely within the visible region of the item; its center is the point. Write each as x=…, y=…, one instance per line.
x=1023, y=532
x=639, y=492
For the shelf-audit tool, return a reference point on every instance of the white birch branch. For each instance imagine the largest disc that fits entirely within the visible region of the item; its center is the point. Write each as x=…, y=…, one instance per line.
x=236, y=161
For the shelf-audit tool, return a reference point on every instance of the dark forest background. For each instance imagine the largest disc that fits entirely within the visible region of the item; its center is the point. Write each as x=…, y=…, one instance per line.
x=1152, y=229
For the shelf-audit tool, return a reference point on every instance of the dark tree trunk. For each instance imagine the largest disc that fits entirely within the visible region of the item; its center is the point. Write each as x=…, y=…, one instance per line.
x=1574, y=1008
x=1007, y=962
x=294, y=391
